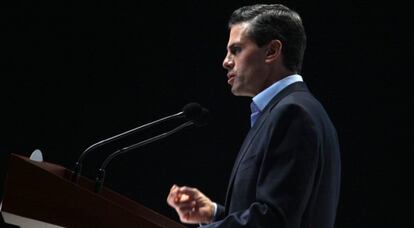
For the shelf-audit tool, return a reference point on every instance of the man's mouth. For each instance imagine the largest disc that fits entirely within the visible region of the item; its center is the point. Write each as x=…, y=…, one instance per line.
x=231, y=78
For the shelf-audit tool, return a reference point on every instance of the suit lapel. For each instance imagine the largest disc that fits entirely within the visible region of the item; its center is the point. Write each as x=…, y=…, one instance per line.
x=297, y=86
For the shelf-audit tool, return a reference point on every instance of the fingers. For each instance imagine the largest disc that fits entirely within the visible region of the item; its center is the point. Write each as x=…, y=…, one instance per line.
x=190, y=204
x=171, y=195
x=191, y=192
x=175, y=197
x=181, y=194
x=186, y=194
x=187, y=207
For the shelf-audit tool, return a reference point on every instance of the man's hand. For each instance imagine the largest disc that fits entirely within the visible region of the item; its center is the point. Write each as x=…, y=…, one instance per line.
x=191, y=205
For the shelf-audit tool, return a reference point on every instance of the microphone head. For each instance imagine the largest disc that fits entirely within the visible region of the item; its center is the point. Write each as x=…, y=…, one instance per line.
x=203, y=118
x=196, y=114
x=192, y=110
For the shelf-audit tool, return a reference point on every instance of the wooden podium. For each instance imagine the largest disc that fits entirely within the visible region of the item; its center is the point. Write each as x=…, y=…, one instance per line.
x=43, y=191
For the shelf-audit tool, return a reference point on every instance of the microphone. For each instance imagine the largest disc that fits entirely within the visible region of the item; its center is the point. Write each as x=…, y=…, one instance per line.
x=199, y=119
x=191, y=111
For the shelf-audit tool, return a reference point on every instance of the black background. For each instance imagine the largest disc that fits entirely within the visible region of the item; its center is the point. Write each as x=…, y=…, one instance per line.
x=74, y=73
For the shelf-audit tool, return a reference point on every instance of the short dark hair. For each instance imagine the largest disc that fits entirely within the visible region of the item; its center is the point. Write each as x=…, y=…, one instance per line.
x=275, y=21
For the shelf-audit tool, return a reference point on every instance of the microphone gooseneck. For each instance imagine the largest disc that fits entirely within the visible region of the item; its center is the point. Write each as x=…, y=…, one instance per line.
x=78, y=165
x=101, y=172
x=194, y=113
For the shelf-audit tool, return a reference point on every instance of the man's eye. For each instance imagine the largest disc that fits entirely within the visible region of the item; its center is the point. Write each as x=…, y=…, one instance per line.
x=235, y=50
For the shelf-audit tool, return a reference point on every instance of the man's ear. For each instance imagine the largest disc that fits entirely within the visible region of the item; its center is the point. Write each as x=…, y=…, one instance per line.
x=274, y=50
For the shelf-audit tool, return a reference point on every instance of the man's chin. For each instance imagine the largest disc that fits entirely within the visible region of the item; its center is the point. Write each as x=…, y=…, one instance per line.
x=235, y=91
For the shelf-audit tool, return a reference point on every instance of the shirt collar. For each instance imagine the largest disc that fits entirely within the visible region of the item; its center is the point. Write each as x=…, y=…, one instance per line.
x=264, y=97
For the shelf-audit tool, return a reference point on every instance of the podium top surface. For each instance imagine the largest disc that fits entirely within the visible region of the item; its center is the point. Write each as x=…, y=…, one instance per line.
x=44, y=191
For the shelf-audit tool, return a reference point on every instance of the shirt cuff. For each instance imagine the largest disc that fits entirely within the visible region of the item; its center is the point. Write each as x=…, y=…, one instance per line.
x=215, y=210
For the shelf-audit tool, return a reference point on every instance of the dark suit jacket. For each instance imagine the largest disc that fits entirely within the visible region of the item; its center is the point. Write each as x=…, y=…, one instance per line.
x=287, y=172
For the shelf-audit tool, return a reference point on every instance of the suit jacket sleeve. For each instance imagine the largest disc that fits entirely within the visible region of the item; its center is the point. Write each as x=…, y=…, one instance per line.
x=286, y=173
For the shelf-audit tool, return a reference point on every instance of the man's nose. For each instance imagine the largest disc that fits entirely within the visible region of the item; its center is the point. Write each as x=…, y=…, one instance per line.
x=228, y=62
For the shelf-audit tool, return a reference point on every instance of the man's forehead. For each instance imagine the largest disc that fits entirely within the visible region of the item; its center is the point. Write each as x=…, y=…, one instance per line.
x=237, y=34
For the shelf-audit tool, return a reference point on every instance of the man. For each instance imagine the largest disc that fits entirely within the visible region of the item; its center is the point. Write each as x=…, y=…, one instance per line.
x=287, y=172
